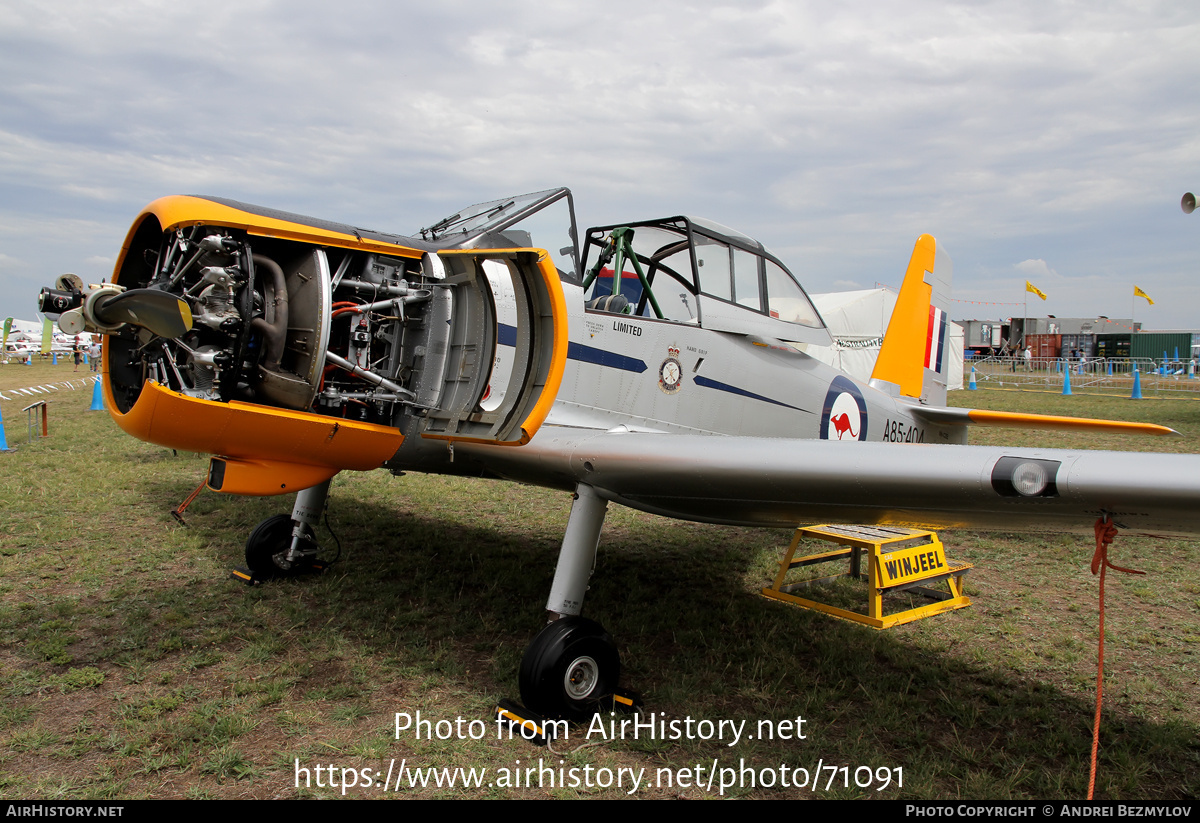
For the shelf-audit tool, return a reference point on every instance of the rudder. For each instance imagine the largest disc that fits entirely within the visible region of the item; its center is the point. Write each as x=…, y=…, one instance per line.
x=913, y=357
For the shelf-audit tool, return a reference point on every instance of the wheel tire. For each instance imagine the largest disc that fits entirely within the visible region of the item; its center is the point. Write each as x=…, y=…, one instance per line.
x=569, y=668
x=267, y=548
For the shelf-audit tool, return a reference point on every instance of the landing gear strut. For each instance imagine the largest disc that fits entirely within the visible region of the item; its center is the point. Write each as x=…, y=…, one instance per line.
x=570, y=670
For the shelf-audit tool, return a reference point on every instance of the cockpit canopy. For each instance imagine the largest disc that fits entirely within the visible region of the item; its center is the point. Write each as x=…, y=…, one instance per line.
x=691, y=270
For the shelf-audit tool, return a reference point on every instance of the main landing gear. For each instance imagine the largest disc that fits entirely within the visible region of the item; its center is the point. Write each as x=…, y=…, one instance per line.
x=571, y=668
x=286, y=545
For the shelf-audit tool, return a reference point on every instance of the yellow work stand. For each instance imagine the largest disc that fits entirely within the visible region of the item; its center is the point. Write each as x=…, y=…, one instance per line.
x=898, y=559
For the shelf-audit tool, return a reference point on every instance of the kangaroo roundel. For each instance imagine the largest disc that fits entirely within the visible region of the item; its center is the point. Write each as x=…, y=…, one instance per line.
x=844, y=416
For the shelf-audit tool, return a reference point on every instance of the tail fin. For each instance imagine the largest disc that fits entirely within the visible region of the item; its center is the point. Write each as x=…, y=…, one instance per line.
x=914, y=353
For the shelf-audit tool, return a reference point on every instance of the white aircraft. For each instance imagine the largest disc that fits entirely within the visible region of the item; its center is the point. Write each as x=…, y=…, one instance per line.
x=656, y=364
x=25, y=338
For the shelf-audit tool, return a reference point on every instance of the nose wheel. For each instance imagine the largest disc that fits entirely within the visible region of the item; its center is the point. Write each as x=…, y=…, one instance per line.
x=570, y=669
x=268, y=546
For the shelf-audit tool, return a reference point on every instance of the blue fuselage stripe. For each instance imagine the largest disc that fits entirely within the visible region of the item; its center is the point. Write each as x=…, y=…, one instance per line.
x=714, y=384
x=600, y=357
x=591, y=354
x=584, y=354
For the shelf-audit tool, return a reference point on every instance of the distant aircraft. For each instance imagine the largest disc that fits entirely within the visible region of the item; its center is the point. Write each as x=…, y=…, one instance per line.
x=657, y=364
x=25, y=338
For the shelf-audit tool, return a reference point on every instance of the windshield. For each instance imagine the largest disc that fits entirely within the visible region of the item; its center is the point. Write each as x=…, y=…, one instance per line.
x=542, y=219
x=728, y=265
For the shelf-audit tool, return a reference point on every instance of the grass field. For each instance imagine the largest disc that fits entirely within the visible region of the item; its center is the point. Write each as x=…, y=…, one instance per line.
x=134, y=666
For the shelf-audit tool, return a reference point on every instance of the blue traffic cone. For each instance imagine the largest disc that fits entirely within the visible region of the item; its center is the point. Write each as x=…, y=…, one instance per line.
x=972, y=385
x=1066, y=381
x=97, y=398
x=54, y=358
x=3, y=441
x=1110, y=368
x=1137, y=385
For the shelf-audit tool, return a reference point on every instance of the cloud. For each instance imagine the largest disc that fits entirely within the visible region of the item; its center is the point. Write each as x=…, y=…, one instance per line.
x=835, y=135
x=1035, y=268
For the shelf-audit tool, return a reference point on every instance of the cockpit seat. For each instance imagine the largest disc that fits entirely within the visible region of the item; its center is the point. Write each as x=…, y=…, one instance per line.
x=610, y=303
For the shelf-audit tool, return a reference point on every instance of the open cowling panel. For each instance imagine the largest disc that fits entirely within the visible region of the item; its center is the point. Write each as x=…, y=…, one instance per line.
x=298, y=323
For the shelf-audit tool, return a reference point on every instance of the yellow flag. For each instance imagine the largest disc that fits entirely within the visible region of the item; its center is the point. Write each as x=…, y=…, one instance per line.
x=1139, y=293
x=1030, y=287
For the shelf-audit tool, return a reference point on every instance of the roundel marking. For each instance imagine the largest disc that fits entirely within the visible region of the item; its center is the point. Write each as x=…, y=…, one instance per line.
x=844, y=416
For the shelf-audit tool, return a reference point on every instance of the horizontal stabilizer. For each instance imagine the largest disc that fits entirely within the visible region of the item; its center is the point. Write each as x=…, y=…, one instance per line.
x=1017, y=420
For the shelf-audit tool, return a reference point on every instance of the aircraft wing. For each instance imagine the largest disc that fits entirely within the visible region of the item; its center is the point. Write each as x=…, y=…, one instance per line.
x=785, y=482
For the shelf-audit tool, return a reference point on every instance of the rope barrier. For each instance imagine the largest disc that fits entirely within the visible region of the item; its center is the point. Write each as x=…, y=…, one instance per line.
x=46, y=388
x=1106, y=532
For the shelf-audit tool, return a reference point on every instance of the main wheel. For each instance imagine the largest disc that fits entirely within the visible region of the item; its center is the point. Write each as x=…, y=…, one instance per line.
x=267, y=548
x=569, y=668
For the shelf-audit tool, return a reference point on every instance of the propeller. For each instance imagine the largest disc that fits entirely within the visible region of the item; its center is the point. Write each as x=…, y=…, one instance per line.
x=157, y=311
x=106, y=308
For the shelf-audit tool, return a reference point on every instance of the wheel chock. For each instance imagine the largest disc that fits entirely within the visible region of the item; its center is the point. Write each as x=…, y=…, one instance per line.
x=246, y=576
x=529, y=725
x=624, y=700
x=524, y=724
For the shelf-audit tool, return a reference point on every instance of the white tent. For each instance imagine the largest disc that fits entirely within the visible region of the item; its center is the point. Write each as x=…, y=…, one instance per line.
x=858, y=320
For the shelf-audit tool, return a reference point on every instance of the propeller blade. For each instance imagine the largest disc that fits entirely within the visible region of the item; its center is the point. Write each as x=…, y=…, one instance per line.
x=157, y=311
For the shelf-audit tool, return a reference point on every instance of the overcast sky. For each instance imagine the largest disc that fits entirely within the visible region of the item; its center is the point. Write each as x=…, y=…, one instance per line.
x=1038, y=141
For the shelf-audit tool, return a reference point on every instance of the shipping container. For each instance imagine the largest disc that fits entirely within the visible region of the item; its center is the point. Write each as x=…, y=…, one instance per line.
x=1152, y=345
x=1113, y=346
x=1083, y=345
x=1045, y=345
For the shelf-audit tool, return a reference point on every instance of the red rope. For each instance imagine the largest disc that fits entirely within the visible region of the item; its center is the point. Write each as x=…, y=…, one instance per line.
x=1105, y=533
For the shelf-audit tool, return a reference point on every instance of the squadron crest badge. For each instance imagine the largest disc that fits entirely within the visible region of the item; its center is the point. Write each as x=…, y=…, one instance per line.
x=670, y=373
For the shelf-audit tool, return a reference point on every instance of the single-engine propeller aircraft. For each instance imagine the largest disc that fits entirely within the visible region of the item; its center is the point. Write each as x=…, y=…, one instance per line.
x=656, y=364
